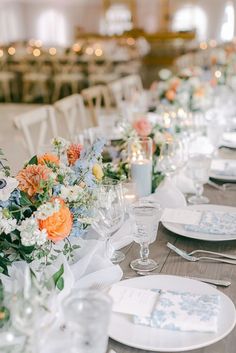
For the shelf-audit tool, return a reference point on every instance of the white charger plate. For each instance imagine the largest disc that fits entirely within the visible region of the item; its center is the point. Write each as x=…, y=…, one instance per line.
x=223, y=177
x=179, y=228
x=124, y=331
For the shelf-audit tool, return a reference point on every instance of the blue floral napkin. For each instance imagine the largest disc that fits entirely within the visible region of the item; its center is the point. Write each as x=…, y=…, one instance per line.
x=183, y=312
x=215, y=223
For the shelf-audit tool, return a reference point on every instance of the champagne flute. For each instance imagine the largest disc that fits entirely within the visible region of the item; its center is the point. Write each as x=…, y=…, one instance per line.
x=109, y=214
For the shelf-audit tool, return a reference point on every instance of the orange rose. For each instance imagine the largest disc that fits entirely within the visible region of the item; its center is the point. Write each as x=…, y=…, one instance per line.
x=170, y=95
x=73, y=153
x=32, y=177
x=59, y=225
x=175, y=84
x=48, y=158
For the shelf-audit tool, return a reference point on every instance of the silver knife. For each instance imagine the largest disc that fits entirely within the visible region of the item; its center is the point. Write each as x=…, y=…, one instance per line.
x=216, y=282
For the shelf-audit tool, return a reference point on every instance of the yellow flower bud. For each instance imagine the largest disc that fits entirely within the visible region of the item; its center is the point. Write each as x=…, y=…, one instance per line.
x=97, y=171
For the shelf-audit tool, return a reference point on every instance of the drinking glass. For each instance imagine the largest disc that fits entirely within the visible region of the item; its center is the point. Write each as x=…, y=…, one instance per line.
x=87, y=315
x=146, y=217
x=172, y=156
x=198, y=169
x=109, y=212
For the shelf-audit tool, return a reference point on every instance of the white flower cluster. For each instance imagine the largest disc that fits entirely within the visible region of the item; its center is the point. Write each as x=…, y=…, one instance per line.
x=31, y=234
x=70, y=193
x=67, y=173
x=46, y=210
x=159, y=138
x=7, y=225
x=60, y=144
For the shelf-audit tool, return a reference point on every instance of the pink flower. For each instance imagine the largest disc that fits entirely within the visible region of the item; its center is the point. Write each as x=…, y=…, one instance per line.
x=143, y=127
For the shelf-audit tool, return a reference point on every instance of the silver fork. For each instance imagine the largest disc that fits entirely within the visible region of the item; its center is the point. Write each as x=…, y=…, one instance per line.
x=192, y=258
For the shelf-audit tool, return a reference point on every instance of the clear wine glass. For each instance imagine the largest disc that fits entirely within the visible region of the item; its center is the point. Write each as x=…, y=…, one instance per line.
x=198, y=170
x=146, y=217
x=109, y=212
x=172, y=156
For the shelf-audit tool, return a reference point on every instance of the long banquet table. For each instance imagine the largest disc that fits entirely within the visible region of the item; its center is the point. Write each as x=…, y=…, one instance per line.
x=172, y=264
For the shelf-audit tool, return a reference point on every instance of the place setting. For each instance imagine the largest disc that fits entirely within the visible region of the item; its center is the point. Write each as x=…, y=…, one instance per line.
x=117, y=176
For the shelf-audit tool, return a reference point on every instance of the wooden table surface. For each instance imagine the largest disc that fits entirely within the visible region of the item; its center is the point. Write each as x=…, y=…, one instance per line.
x=172, y=264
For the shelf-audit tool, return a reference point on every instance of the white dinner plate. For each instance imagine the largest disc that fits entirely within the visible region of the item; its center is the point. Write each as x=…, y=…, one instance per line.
x=215, y=175
x=180, y=229
x=159, y=340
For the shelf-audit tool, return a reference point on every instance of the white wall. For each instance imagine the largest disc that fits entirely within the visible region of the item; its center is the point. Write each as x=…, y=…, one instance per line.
x=19, y=18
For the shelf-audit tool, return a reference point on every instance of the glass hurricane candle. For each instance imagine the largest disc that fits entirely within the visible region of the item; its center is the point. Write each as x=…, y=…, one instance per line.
x=140, y=158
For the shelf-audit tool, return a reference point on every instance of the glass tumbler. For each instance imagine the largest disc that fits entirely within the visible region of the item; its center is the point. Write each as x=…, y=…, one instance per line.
x=87, y=315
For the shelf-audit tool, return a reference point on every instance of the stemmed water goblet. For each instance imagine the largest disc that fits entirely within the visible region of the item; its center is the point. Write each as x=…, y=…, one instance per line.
x=198, y=170
x=145, y=216
x=109, y=212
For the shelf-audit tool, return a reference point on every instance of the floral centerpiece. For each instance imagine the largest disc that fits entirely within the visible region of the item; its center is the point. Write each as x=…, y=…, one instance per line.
x=141, y=127
x=185, y=90
x=48, y=202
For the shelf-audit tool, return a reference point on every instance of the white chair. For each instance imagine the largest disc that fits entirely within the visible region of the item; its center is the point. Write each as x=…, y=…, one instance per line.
x=132, y=85
x=67, y=74
x=117, y=91
x=126, y=88
x=41, y=120
x=73, y=111
x=98, y=99
x=6, y=78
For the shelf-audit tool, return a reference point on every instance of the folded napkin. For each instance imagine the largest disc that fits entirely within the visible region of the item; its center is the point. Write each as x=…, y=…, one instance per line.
x=183, y=312
x=215, y=223
x=184, y=183
x=168, y=195
x=229, y=137
x=224, y=167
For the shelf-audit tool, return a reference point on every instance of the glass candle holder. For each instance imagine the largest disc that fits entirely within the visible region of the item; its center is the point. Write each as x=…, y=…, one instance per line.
x=140, y=159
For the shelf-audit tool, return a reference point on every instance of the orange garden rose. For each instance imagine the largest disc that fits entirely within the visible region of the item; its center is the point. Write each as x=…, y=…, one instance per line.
x=59, y=225
x=73, y=153
x=31, y=178
x=143, y=127
x=174, y=84
x=48, y=158
x=170, y=95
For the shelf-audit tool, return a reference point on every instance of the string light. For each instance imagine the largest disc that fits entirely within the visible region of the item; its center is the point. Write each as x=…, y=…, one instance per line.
x=38, y=43
x=52, y=51
x=98, y=52
x=89, y=51
x=11, y=51
x=31, y=42
x=36, y=52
